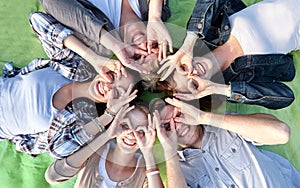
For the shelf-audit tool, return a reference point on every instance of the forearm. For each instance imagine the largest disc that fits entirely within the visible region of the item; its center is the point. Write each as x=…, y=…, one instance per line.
x=92, y=129
x=175, y=176
x=155, y=9
x=64, y=169
x=74, y=44
x=154, y=178
x=261, y=128
x=78, y=158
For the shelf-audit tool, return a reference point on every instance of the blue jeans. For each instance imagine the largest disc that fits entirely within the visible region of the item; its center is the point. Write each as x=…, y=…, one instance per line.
x=257, y=79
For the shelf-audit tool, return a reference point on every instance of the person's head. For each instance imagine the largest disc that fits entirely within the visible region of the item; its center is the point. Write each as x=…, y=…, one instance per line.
x=135, y=120
x=99, y=90
x=135, y=34
x=188, y=136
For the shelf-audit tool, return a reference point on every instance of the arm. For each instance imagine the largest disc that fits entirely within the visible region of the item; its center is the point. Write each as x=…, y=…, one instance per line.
x=168, y=140
x=64, y=169
x=261, y=128
x=157, y=31
x=145, y=144
x=201, y=87
x=101, y=64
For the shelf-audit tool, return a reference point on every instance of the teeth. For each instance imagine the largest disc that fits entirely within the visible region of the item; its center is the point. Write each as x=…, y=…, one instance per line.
x=129, y=141
x=100, y=88
x=201, y=68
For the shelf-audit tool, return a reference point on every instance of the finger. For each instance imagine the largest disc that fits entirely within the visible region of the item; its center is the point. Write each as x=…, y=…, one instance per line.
x=183, y=96
x=149, y=46
x=164, y=50
x=140, y=52
x=170, y=45
x=129, y=90
x=163, y=67
x=167, y=74
x=165, y=60
x=174, y=102
x=172, y=125
x=123, y=71
x=160, y=48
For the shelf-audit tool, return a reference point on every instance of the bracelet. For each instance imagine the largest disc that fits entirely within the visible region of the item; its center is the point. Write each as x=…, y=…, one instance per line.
x=109, y=112
x=151, y=170
x=98, y=125
x=152, y=173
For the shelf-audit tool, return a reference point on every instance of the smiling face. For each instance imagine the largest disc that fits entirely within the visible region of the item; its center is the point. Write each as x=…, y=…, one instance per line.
x=99, y=89
x=137, y=119
x=187, y=135
x=182, y=83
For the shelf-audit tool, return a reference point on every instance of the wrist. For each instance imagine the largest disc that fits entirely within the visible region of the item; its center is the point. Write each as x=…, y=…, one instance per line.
x=152, y=171
x=155, y=9
x=99, y=125
x=110, y=113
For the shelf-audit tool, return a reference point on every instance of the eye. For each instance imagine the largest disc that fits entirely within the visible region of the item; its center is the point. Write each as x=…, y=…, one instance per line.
x=137, y=57
x=178, y=114
x=141, y=133
x=195, y=84
x=167, y=126
x=125, y=126
x=112, y=76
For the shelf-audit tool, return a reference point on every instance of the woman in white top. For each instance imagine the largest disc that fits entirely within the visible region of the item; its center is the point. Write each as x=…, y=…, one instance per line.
x=104, y=163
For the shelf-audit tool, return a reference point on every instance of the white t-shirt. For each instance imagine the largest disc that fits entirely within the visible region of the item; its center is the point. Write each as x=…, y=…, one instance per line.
x=112, y=9
x=26, y=102
x=270, y=26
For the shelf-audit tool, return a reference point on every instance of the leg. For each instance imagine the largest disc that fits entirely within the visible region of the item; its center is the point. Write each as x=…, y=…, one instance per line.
x=51, y=34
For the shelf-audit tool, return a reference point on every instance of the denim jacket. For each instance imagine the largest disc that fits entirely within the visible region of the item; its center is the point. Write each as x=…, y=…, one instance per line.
x=254, y=79
x=210, y=20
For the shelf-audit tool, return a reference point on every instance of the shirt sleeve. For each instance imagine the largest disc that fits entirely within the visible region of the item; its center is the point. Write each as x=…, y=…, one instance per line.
x=68, y=140
x=60, y=171
x=66, y=135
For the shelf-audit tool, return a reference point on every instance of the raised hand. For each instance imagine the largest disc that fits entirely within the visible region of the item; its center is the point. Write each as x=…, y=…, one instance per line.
x=200, y=87
x=118, y=97
x=115, y=129
x=181, y=60
x=158, y=33
x=166, y=133
x=145, y=137
x=190, y=115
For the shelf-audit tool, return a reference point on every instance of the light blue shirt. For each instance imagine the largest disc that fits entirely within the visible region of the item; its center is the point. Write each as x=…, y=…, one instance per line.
x=227, y=160
x=26, y=102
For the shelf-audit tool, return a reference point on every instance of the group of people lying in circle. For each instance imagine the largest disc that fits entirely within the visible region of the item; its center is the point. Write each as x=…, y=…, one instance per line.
x=84, y=107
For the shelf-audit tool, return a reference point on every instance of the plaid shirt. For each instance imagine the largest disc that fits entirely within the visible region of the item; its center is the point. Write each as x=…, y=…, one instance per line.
x=65, y=134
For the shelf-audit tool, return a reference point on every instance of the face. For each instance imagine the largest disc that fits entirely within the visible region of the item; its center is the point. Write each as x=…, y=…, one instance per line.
x=135, y=34
x=187, y=135
x=182, y=83
x=99, y=89
x=137, y=119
